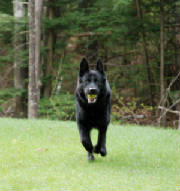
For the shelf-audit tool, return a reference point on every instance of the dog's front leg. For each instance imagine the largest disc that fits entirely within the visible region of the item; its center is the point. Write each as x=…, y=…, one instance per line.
x=101, y=144
x=86, y=141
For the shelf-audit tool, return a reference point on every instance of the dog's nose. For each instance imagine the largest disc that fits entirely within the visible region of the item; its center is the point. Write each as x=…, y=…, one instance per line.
x=92, y=90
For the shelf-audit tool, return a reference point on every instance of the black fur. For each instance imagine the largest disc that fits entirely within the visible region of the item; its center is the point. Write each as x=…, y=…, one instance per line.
x=93, y=113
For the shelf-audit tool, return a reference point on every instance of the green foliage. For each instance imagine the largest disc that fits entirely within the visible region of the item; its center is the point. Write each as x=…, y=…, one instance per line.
x=174, y=95
x=9, y=93
x=9, y=32
x=6, y=22
x=6, y=7
x=60, y=107
x=6, y=28
x=127, y=109
x=110, y=29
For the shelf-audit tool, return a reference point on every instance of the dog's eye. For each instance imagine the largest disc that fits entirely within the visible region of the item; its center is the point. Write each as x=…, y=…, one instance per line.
x=95, y=80
x=89, y=80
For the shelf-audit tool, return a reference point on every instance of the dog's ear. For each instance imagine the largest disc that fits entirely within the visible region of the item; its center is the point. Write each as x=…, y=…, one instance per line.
x=100, y=66
x=84, y=67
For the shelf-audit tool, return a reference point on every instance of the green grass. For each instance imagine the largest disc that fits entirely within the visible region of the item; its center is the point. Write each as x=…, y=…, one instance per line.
x=47, y=155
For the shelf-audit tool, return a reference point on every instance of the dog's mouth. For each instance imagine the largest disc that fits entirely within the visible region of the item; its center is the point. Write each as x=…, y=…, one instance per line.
x=92, y=98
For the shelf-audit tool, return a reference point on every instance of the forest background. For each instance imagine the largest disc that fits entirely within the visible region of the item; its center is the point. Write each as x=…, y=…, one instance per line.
x=43, y=42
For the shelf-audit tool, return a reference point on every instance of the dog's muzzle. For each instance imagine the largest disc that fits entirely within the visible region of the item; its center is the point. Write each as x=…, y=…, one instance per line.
x=92, y=98
x=92, y=95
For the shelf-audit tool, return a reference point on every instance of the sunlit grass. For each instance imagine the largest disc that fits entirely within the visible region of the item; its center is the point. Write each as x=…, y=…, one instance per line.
x=47, y=155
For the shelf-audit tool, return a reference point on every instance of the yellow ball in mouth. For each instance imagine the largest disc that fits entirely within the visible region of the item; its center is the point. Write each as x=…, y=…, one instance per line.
x=92, y=96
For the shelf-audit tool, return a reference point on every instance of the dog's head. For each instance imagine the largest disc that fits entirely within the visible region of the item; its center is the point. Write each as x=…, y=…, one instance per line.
x=92, y=82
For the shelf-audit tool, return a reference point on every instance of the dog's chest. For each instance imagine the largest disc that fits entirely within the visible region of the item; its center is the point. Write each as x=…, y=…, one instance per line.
x=95, y=116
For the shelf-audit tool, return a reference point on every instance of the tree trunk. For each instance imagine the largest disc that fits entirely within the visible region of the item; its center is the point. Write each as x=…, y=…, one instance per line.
x=162, y=89
x=38, y=13
x=35, y=10
x=32, y=89
x=49, y=62
x=20, y=73
x=149, y=78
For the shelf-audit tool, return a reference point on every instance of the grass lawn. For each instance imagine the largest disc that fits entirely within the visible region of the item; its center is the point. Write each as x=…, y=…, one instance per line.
x=47, y=155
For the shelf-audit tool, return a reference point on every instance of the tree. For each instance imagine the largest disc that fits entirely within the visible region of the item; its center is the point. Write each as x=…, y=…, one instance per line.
x=32, y=88
x=35, y=10
x=162, y=89
x=124, y=33
x=49, y=61
x=19, y=65
x=38, y=13
x=148, y=69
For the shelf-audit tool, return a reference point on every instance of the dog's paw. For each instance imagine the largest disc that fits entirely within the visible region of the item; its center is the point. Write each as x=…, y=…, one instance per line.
x=103, y=152
x=99, y=150
x=90, y=157
x=96, y=149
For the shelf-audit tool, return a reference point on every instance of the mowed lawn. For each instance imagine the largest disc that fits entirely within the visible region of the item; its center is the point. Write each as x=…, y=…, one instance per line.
x=47, y=156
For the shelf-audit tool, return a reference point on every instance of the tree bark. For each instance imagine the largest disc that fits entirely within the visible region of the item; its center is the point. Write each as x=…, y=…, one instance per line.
x=35, y=10
x=162, y=89
x=149, y=78
x=20, y=73
x=32, y=89
x=50, y=53
x=38, y=13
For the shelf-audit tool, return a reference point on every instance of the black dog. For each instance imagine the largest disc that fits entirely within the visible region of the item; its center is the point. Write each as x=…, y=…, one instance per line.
x=93, y=106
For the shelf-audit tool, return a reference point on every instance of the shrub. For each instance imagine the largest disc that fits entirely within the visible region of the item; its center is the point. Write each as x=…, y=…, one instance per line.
x=7, y=97
x=61, y=107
